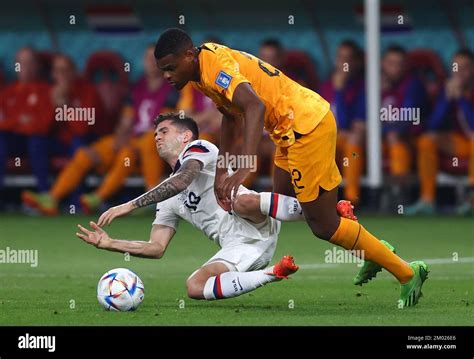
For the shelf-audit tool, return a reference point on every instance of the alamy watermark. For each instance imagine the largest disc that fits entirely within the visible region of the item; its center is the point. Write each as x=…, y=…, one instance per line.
x=70, y=113
x=400, y=114
x=337, y=256
x=237, y=161
x=19, y=256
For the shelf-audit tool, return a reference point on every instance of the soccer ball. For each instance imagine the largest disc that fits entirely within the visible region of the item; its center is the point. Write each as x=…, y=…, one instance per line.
x=120, y=290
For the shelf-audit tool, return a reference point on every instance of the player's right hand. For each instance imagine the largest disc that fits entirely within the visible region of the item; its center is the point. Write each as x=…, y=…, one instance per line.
x=97, y=237
x=108, y=216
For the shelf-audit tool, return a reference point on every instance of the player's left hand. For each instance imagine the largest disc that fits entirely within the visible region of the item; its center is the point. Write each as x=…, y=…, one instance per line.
x=228, y=188
x=108, y=216
x=98, y=237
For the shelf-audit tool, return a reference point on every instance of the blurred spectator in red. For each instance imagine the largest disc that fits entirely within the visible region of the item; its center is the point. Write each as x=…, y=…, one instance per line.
x=26, y=117
x=345, y=90
x=72, y=92
x=403, y=95
x=450, y=130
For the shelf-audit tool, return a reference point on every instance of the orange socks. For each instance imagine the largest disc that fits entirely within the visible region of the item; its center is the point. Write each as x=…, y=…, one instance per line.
x=123, y=166
x=352, y=235
x=353, y=171
x=152, y=166
x=71, y=175
x=427, y=167
x=400, y=160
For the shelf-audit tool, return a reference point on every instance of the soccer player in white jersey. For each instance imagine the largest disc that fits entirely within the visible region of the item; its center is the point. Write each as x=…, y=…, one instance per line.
x=247, y=239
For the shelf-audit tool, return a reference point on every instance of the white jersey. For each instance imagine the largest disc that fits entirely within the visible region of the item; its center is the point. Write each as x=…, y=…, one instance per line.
x=198, y=205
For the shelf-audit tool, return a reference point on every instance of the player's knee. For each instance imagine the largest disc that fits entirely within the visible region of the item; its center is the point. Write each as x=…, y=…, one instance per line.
x=247, y=204
x=323, y=230
x=194, y=289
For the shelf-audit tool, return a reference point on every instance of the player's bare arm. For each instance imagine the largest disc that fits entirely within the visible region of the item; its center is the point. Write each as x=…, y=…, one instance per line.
x=254, y=111
x=166, y=189
x=160, y=237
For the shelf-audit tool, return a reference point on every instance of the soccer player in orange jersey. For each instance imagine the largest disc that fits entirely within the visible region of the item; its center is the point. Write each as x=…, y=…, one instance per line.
x=303, y=129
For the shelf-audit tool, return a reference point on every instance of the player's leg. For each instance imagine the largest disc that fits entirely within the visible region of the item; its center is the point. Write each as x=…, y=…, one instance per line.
x=353, y=161
x=99, y=154
x=123, y=165
x=152, y=165
x=427, y=164
x=38, y=147
x=256, y=207
x=311, y=177
x=463, y=147
x=281, y=175
x=221, y=280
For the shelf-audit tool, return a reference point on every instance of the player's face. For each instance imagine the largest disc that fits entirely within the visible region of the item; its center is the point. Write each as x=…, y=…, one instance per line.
x=169, y=139
x=29, y=66
x=465, y=69
x=178, y=70
x=63, y=72
x=345, y=59
x=394, y=66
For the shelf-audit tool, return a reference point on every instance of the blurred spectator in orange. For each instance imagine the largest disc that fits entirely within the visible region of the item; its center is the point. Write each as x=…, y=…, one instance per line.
x=450, y=130
x=345, y=90
x=26, y=117
x=403, y=95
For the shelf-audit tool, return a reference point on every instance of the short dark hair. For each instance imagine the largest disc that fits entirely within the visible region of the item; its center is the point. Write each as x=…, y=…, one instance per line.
x=397, y=49
x=172, y=41
x=272, y=42
x=179, y=120
x=466, y=53
x=352, y=45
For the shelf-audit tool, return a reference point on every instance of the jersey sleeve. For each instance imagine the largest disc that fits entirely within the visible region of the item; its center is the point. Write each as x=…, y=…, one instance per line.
x=221, y=71
x=165, y=215
x=203, y=151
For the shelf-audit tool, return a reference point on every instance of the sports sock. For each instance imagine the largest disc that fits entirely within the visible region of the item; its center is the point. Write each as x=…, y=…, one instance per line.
x=427, y=167
x=352, y=235
x=281, y=207
x=72, y=175
x=353, y=172
x=400, y=160
x=233, y=284
x=123, y=166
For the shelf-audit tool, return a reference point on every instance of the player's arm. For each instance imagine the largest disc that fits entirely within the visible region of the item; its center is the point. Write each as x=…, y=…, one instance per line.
x=254, y=111
x=166, y=189
x=160, y=237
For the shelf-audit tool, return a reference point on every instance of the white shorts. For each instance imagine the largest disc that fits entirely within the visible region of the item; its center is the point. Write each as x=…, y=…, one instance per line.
x=246, y=246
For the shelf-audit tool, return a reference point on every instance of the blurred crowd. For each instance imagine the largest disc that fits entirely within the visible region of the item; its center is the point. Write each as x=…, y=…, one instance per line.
x=58, y=122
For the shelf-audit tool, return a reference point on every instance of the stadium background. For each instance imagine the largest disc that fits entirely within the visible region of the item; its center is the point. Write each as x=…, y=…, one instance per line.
x=441, y=27
x=323, y=294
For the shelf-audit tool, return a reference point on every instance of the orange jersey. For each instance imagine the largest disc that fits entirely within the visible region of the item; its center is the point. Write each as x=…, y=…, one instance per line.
x=289, y=106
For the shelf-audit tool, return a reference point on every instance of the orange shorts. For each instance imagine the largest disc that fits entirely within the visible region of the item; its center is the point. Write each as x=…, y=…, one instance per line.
x=311, y=160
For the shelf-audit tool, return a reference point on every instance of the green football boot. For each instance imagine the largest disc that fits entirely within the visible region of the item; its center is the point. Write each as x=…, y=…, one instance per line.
x=370, y=269
x=410, y=292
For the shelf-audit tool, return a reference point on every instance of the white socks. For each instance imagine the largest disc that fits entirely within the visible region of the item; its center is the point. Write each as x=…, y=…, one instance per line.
x=233, y=284
x=281, y=207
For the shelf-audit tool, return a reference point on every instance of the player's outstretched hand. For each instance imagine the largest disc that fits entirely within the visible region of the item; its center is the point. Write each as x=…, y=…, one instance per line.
x=108, y=216
x=98, y=237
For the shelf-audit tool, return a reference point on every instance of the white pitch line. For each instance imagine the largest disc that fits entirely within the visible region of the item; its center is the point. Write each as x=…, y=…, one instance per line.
x=427, y=261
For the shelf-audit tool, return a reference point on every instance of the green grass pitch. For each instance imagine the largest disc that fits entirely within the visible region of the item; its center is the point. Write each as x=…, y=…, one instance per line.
x=61, y=289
